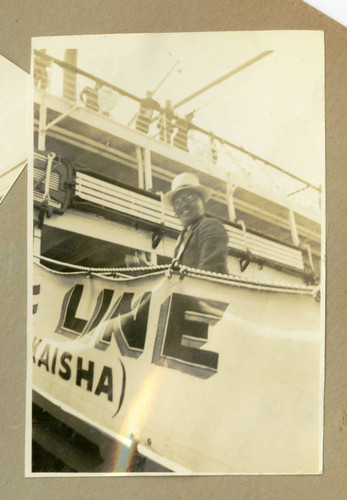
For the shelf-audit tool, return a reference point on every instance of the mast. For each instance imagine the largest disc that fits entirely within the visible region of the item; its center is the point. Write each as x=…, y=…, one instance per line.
x=224, y=77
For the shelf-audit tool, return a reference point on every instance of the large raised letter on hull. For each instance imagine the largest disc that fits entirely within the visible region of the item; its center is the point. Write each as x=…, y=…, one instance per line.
x=173, y=328
x=127, y=321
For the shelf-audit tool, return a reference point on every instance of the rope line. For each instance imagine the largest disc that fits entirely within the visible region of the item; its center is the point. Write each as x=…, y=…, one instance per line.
x=102, y=269
x=178, y=269
x=271, y=287
x=111, y=276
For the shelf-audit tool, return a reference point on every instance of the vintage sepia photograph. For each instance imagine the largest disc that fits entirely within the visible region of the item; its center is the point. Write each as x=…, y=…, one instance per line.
x=178, y=264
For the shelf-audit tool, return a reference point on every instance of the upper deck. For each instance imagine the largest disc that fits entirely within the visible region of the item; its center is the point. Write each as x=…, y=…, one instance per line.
x=112, y=147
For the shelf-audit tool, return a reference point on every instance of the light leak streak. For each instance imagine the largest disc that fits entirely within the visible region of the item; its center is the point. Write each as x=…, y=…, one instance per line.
x=139, y=409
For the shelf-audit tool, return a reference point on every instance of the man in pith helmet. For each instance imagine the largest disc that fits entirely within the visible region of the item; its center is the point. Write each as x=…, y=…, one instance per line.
x=203, y=241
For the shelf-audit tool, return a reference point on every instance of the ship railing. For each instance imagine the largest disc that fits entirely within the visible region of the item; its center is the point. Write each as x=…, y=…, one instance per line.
x=140, y=206
x=72, y=188
x=83, y=89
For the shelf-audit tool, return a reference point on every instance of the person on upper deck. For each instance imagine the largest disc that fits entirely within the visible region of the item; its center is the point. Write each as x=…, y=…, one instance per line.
x=147, y=107
x=89, y=96
x=41, y=77
x=203, y=242
x=166, y=122
x=107, y=100
x=183, y=125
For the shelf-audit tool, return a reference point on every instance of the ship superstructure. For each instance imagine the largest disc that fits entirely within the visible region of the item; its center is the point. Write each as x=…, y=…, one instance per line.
x=125, y=359
x=112, y=173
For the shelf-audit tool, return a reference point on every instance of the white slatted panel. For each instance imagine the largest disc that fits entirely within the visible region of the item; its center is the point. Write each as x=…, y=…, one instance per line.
x=273, y=250
x=140, y=206
x=123, y=200
x=39, y=197
x=54, y=182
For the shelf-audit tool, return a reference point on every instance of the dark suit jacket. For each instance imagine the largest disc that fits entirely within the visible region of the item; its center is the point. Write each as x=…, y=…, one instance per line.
x=206, y=247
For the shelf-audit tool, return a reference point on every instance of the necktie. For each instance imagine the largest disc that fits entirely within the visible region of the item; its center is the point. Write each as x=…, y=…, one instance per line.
x=181, y=243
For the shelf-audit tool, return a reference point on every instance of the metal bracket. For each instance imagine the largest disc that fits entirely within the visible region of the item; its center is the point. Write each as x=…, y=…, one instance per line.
x=309, y=255
x=157, y=235
x=244, y=263
x=59, y=118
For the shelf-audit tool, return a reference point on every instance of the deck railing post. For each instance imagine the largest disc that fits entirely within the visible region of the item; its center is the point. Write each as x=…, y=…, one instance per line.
x=148, y=169
x=140, y=167
x=230, y=200
x=70, y=77
x=293, y=228
x=41, y=143
x=37, y=241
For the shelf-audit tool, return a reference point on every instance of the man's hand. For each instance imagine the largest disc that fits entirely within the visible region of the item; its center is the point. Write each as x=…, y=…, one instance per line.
x=137, y=260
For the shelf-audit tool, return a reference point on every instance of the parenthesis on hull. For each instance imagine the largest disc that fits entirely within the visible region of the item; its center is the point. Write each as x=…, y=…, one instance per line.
x=123, y=388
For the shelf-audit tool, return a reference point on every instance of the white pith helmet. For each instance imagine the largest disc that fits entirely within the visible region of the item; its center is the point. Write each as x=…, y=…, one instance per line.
x=186, y=181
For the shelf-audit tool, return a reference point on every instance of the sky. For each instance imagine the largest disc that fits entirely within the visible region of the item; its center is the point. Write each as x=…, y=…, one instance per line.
x=273, y=108
x=14, y=87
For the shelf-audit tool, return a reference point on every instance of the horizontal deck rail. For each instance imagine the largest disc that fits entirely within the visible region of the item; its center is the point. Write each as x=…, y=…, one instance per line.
x=49, y=70
x=149, y=209
x=142, y=207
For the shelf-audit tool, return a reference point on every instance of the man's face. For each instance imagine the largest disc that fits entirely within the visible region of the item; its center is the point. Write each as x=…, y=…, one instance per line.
x=188, y=206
